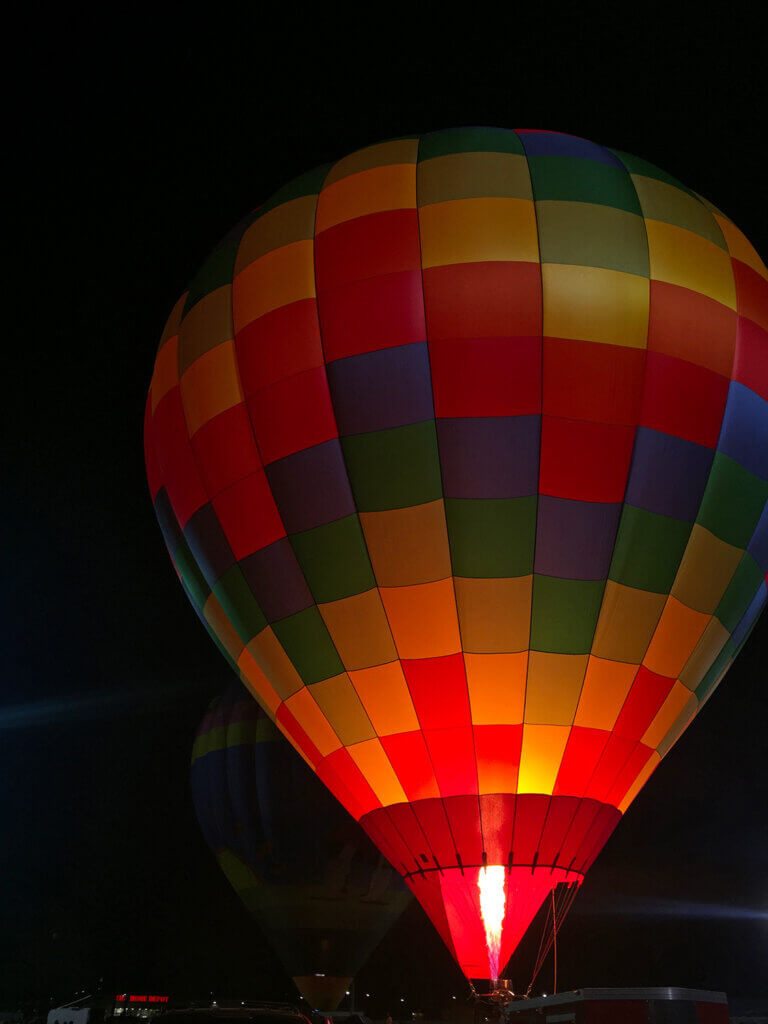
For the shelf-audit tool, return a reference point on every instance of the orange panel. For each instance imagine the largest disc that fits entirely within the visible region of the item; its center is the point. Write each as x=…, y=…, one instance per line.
x=740, y=247
x=495, y=614
x=542, y=752
x=553, y=687
x=667, y=715
x=606, y=685
x=392, y=187
x=496, y=684
x=359, y=630
x=340, y=704
x=408, y=545
x=216, y=618
x=304, y=709
x=681, y=257
x=677, y=634
x=478, y=231
x=210, y=386
x=275, y=663
x=373, y=762
x=166, y=372
x=257, y=682
x=283, y=276
x=423, y=619
x=386, y=698
x=381, y=154
x=290, y=222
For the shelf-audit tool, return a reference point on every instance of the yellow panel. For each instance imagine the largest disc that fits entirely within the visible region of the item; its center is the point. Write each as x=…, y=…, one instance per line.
x=275, y=663
x=627, y=620
x=205, y=326
x=359, y=630
x=647, y=770
x=473, y=175
x=373, y=762
x=210, y=386
x=423, y=619
x=712, y=641
x=543, y=747
x=290, y=222
x=553, y=688
x=683, y=258
x=706, y=569
x=408, y=545
x=496, y=684
x=667, y=715
x=676, y=636
x=386, y=698
x=340, y=704
x=382, y=188
x=253, y=677
x=606, y=685
x=217, y=619
x=166, y=372
x=477, y=230
x=594, y=304
x=740, y=247
x=396, y=151
x=304, y=709
x=282, y=276
x=495, y=614
x=718, y=680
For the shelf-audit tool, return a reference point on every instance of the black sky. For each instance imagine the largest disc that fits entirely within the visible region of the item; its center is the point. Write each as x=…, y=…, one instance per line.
x=135, y=143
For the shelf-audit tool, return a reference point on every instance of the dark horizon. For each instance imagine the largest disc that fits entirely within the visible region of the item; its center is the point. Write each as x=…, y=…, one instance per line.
x=136, y=148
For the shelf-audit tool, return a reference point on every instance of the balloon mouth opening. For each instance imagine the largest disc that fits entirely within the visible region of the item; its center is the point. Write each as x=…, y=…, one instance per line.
x=493, y=901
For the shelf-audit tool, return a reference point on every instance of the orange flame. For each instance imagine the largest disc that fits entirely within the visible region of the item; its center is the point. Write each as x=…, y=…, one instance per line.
x=493, y=900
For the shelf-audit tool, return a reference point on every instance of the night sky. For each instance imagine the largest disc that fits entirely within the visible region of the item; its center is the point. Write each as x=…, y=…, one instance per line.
x=134, y=146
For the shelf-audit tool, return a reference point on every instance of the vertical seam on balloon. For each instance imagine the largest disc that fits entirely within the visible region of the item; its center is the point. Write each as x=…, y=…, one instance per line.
x=266, y=478
x=447, y=534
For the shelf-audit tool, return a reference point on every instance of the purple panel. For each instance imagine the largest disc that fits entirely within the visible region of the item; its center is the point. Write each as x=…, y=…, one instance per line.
x=493, y=457
x=311, y=487
x=744, y=434
x=758, y=546
x=575, y=539
x=667, y=474
x=555, y=144
x=275, y=577
x=208, y=544
x=379, y=390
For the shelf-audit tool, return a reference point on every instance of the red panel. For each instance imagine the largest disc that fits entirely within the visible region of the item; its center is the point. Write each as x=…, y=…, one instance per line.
x=611, y=1011
x=452, y=753
x=292, y=415
x=684, y=400
x=529, y=821
x=751, y=366
x=464, y=815
x=277, y=345
x=559, y=818
x=497, y=815
x=408, y=755
x=434, y=823
x=586, y=381
x=370, y=246
x=497, y=748
x=415, y=841
x=605, y=822
x=248, y=515
x=439, y=692
x=154, y=474
x=299, y=737
x=751, y=293
x=483, y=300
x=386, y=838
x=579, y=828
x=615, y=755
x=486, y=377
x=368, y=315
x=176, y=458
x=647, y=694
x=345, y=780
x=584, y=461
x=635, y=764
x=225, y=449
x=427, y=891
x=712, y=1013
x=581, y=757
x=680, y=316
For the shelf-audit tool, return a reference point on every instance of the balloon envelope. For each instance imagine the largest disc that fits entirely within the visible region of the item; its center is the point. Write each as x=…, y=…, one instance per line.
x=460, y=449
x=320, y=891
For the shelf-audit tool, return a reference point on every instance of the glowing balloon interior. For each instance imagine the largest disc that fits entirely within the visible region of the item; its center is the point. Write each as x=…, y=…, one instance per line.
x=460, y=449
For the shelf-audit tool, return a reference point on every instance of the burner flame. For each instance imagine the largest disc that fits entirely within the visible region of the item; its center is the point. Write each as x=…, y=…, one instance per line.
x=493, y=900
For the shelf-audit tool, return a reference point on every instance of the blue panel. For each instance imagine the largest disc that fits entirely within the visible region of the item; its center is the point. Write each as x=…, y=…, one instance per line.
x=208, y=544
x=744, y=434
x=758, y=546
x=555, y=144
x=667, y=474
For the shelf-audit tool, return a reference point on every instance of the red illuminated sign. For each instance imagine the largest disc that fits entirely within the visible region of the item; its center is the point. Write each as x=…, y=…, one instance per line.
x=125, y=998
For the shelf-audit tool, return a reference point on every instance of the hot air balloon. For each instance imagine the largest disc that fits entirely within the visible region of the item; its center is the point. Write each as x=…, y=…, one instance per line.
x=460, y=449
x=319, y=890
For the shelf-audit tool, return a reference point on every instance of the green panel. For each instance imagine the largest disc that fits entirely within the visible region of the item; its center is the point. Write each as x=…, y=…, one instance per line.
x=469, y=140
x=394, y=468
x=491, y=538
x=308, y=644
x=239, y=604
x=706, y=684
x=667, y=203
x=745, y=583
x=215, y=739
x=308, y=184
x=648, y=550
x=574, y=180
x=733, y=502
x=565, y=613
x=592, y=235
x=637, y=166
x=191, y=576
x=334, y=559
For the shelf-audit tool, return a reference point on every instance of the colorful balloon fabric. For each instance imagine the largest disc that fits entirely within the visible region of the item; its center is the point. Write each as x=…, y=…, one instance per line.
x=460, y=450
x=311, y=878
